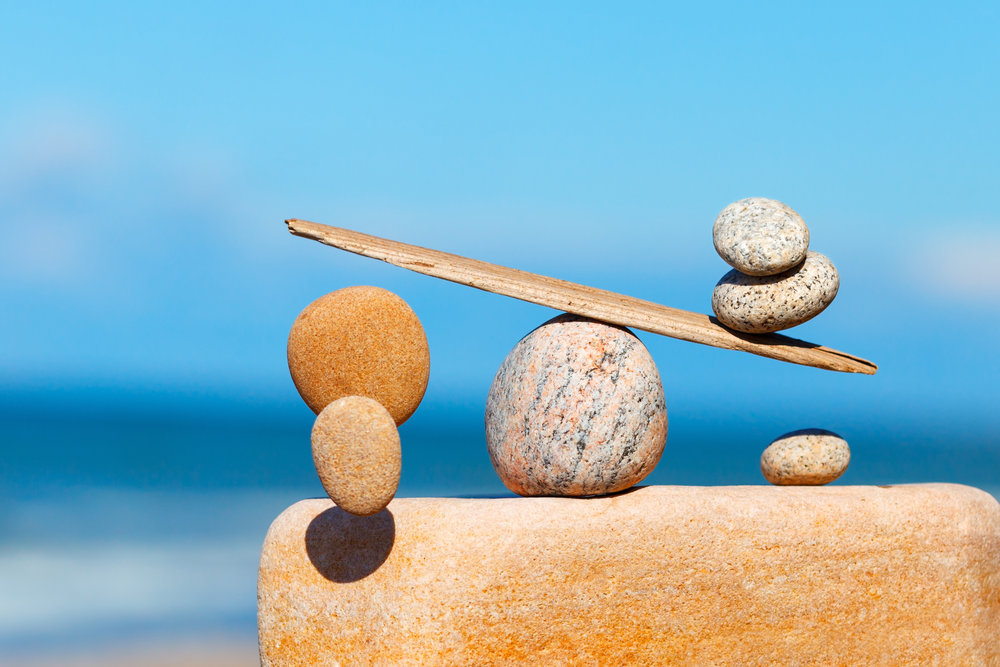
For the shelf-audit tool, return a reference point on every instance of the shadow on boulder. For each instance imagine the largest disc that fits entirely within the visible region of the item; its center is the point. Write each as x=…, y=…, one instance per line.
x=346, y=548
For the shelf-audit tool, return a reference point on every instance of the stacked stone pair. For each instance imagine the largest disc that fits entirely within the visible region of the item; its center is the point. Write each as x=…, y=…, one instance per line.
x=360, y=360
x=776, y=282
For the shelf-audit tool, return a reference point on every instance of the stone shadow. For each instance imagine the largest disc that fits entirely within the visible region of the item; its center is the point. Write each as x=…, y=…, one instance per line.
x=346, y=548
x=766, y=338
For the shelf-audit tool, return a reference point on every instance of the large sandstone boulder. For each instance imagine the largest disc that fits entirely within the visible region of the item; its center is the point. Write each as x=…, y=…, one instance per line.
x=658, y=575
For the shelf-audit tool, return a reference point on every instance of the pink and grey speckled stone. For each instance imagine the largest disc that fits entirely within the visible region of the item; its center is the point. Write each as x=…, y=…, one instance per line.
x=576, y=409
x=760, y=237
x=762, y=304
x=808, y=457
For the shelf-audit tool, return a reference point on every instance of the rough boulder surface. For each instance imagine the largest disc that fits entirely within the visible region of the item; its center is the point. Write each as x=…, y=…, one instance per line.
x=754, y=575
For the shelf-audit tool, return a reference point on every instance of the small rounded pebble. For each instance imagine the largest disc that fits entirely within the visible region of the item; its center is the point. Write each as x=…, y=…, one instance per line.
x=576, y=409
x=760, y=237
x=762, y=304
x=811, y=456
x=357, y=454
x=360, y=341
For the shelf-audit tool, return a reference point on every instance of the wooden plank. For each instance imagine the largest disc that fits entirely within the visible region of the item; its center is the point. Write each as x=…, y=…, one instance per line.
x=580, y=299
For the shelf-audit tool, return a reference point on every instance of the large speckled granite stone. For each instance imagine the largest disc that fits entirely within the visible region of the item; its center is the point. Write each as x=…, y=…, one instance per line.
x=760, y=236
x=759, y=575
x=576, y=409
x=762, y=304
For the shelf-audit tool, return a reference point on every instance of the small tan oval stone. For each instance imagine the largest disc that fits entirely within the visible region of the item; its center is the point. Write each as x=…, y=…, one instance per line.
x=762, y=304
x=357, y=454
x=360, y=341
x=808, y=457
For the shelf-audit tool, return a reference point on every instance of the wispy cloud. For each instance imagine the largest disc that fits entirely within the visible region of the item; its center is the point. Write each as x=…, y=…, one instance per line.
x=959, y=262
x=83, y=212
x=90, y=206
x=51, y=140
x=45, y=251
x=56, y=165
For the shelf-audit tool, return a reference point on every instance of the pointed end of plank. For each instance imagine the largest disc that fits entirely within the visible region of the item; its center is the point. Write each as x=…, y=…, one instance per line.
x=304, y=228
x=857, y=364
x=863, y=365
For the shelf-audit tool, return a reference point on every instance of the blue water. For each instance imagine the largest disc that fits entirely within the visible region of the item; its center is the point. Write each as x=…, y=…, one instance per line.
x=137, y=523
x=44, y=455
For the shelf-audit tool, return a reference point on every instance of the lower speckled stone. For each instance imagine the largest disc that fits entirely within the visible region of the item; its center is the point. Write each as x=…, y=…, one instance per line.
x=810, y=456
x=762, y=304
x=576, y=409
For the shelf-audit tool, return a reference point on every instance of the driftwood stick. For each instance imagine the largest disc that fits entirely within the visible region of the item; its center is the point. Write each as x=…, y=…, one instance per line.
x=580, y=299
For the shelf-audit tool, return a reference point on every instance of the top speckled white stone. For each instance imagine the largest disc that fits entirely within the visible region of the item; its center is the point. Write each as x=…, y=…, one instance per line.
x=760, y=237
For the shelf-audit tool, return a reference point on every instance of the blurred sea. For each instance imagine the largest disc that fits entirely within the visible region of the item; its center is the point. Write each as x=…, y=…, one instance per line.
x=145, y=526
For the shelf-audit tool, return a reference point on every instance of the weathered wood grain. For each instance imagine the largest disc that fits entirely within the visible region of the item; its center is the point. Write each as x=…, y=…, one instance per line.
x=580, y=299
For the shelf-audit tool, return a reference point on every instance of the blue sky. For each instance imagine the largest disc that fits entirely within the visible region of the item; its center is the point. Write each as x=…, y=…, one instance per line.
x=150, y=155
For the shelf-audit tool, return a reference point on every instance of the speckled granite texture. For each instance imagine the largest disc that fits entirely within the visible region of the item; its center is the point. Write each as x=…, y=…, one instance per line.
x=759, y=575
x=760, y=236
x=807, y=456
x=753, y=304
x=360, y=341
x=576, y=409
x=357, y=454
